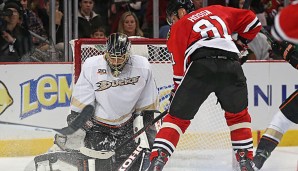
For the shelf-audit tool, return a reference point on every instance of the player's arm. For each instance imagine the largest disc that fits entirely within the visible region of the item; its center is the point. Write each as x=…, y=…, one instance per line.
x=247, y=25
x=177, y=45
x=83, y=91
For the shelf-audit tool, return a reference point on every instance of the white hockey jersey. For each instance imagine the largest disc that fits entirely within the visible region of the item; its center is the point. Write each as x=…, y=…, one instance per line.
x=115, y=98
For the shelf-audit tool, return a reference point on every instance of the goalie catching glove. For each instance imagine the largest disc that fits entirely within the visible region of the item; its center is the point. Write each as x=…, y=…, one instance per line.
x=74, y=141
x=287, y=51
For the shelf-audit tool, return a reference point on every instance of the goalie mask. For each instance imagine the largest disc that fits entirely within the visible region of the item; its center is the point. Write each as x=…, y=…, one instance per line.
x=175, y=5
x=117, y=52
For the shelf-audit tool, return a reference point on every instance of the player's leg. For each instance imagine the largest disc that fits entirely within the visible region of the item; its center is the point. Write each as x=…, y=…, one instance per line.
x=233, y=96
x=192, y=92
x=280, y=123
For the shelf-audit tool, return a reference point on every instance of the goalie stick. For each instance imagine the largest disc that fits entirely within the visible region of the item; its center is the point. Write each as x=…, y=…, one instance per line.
x=76, y=124
x=108, y=154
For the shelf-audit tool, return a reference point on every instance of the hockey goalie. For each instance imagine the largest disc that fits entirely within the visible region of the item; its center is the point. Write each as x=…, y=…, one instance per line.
x=120, y=86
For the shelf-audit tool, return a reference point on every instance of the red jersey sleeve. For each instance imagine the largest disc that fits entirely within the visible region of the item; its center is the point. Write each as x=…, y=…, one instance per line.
x=244, y=22
x=177, y=45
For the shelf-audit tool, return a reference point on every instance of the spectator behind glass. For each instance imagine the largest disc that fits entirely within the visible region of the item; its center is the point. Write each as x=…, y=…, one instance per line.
x=33, y=23
x=164, y=30
x=36, y=4
x=198, y=3
x=258, y=8
x=101, y=7
x=15, y=41
x=87, y=18
x=98, y=33
x=1, y=4
x=43, y=14
x=148, y=24
x=129, y=25
x=120, y=6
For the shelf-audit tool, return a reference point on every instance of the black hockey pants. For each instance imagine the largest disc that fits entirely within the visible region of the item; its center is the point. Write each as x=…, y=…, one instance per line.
x=206, y=74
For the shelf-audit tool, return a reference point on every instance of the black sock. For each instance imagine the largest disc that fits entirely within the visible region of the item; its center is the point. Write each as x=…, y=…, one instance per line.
x=267, y=143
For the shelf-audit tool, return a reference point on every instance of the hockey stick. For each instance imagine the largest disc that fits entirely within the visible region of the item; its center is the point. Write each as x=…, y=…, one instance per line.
x=108, y=154
x=76, y=124
x=128, y=163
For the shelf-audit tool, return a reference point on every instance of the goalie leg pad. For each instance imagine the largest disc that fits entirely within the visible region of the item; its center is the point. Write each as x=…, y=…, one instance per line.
x=142, y=138
x=69, y=160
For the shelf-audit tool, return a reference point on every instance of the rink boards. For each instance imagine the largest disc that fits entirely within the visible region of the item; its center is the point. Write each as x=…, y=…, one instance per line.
x=39, y=94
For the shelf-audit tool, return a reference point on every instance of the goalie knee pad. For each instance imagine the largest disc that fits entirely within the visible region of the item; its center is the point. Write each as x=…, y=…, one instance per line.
x=145, y=139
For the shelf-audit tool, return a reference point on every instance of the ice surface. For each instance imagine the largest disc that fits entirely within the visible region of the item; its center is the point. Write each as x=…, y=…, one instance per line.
x=282, y=159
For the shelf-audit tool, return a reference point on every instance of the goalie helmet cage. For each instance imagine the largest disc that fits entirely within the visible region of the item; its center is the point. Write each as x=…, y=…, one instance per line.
x=206, y=142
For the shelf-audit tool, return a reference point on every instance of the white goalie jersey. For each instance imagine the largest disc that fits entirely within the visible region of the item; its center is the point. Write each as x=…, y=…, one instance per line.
x=115, y=98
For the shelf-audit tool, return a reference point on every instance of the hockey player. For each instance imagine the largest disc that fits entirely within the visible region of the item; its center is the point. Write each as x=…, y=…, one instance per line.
x=285, y=28
x=120, y=86
x=205, y=60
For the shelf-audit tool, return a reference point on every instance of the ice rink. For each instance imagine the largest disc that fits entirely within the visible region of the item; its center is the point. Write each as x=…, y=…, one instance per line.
x=282, y=159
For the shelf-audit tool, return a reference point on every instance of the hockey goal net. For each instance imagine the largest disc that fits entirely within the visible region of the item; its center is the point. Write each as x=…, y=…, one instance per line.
x=207, y=139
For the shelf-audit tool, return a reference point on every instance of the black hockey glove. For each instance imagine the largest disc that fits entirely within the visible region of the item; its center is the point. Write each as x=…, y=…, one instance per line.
x=287, y=51
x=243, y=49
x=172, y=93
x=283, y=49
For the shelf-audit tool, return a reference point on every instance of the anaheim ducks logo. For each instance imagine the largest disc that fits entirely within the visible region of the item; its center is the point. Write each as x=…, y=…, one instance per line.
x=103, y=85
x=5, y=98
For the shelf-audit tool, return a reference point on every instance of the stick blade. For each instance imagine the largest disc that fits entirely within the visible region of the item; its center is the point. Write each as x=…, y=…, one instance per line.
x=96, y=154
x=78, y=122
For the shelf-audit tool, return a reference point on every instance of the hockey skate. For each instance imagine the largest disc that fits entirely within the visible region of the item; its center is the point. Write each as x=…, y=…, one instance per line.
x=158, y=162
x=245, y=163
x=260, y=158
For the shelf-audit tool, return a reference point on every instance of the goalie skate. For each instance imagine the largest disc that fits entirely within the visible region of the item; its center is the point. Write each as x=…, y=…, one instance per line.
x=260, y=158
